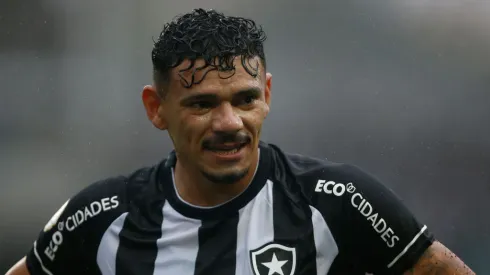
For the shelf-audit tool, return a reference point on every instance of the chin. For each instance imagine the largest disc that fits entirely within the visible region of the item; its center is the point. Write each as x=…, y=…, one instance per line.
x=228, y=177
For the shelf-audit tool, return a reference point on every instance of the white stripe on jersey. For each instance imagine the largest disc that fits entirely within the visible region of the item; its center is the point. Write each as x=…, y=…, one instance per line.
x=255, y=228
x=326, y=247
x=41, y=261
x=107, y=251
x=179, y=244
x=407, y=247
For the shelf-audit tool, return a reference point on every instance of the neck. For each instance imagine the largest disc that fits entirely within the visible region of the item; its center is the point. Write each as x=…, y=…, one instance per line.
x=197, y=190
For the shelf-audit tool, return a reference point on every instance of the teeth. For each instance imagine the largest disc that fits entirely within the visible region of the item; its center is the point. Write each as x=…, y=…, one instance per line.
x=226, y=152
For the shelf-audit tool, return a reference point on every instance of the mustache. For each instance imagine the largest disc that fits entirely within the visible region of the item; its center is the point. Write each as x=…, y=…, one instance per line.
x=221, y=138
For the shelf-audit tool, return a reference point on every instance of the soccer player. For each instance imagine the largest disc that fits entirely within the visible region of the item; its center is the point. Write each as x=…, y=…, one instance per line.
x=224, y=202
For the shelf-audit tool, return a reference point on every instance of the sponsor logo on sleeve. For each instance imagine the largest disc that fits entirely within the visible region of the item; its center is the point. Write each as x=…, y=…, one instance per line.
x=90, y=211
x=75, y=220
x=363, y=206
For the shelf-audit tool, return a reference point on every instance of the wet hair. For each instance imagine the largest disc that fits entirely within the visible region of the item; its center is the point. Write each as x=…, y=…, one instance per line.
x=211, y=36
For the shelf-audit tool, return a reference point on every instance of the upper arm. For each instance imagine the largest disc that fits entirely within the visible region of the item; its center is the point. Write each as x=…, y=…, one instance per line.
x=20, y=268
x=374, y=230
x=73, y=229
x=438, y=259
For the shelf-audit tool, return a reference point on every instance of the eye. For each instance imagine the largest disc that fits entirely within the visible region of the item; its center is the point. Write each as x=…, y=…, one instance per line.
x=248, y=99
x=201, y=105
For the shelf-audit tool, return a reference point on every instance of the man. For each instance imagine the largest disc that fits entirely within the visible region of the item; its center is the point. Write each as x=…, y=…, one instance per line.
x=224, y=202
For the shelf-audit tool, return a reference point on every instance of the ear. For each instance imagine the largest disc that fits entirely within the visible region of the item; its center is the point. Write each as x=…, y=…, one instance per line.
x=153, y=106
x=268, y=88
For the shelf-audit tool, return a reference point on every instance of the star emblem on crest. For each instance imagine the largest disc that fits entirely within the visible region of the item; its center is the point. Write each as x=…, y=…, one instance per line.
x=275, y=266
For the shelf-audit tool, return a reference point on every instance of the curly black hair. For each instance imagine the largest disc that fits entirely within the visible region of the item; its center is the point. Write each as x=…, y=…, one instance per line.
x=211, y=36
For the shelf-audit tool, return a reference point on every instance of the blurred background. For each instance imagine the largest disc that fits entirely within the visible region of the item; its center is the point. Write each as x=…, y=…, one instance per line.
x=400, y=88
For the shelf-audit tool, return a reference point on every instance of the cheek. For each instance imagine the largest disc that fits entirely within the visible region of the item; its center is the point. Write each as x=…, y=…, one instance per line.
x=179, y=131
x=255, y=118
x=185, y=132
x=193, y=129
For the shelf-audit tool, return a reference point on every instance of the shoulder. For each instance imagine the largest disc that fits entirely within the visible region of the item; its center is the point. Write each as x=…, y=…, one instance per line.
x=343, y=193
x=365, y=217
x=71, y=236
x=321, y=176
x=119, y=190
x=100, y=201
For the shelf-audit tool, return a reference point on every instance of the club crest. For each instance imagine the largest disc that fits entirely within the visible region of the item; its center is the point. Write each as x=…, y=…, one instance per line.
x=273, y=259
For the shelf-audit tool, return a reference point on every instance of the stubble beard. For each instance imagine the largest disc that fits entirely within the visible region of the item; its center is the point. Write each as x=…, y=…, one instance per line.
x=228, y=178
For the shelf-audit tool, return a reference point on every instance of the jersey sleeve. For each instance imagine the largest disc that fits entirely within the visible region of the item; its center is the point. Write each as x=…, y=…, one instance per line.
x=65, y=243
x=372, y=227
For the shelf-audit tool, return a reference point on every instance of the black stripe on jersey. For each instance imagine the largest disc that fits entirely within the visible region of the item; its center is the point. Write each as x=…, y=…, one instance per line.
x=217, y=246
x=293, y=227
x=142, y=228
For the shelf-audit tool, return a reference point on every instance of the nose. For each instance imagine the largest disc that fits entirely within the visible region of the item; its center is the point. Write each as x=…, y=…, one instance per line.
x=225, y=119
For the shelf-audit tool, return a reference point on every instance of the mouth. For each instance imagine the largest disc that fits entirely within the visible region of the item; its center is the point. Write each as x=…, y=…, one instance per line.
x=227, y=150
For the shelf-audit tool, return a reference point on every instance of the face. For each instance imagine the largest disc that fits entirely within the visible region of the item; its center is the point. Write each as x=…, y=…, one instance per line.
x=215, y=125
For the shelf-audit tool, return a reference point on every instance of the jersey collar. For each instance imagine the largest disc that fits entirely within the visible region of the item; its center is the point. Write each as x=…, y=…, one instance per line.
x=225, y=209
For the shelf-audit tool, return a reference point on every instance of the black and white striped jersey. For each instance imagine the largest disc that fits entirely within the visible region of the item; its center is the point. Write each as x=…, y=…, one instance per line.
x=299, y=215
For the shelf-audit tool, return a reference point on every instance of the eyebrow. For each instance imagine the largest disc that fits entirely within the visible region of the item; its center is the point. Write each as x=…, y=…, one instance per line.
x=255, y=91
x=198, y=97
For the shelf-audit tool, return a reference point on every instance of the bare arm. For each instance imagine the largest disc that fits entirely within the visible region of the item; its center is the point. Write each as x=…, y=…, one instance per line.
x=439, y=260
x=20, y=268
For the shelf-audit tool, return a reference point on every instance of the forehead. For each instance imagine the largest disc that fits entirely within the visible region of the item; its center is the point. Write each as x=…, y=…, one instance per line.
x=215, y=81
